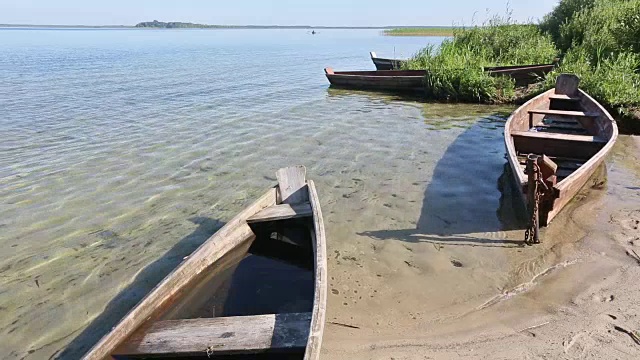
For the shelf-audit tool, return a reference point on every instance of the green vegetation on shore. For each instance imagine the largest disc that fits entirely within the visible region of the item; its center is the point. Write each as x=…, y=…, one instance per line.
x=420, y=31
x=456, y=68
x=598, y=40
x=172, y=25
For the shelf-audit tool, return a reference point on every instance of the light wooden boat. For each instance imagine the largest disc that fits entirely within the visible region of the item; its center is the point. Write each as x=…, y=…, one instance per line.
x=573, y=132
x=256, y=289
x=402, y=81
x=386, y=64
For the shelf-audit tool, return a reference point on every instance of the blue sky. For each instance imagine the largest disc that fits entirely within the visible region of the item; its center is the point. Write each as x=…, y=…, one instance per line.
x=264, y=12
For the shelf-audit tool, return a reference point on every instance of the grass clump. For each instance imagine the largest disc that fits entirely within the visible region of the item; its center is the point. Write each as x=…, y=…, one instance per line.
x=456, y=68
x=613, y=80
x=601, y=27
x=600, y=40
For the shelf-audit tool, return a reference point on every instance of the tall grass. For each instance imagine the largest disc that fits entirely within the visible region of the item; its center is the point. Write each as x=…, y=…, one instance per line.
x=601, y=43
x=612, y=81
x=420, y=31
x=455, y=69
x=601, y=27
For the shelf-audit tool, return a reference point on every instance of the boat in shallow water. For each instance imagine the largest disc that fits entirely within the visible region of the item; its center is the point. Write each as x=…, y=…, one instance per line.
x=400, y=81
x=554, y=143
x=256, y=289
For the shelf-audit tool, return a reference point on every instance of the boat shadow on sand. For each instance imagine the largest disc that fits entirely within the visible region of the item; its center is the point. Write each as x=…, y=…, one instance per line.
x=470, y=200
x=140, y=287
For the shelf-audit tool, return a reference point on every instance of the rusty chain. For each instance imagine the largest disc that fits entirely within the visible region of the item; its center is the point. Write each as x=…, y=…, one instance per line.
x=540, y=190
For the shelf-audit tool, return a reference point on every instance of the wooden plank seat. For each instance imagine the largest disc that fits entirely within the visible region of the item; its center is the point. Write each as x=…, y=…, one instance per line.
x=561, y=126
x=562, y=113
x=564, y=97
x=282, y=212
x=273, y=333
x=555, y=144
x=556, y=136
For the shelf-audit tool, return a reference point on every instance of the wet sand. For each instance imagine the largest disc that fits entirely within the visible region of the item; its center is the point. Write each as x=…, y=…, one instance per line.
x=562, y=300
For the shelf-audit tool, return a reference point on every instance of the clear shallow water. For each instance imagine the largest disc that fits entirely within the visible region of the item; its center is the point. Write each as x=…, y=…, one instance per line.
x=122, y=150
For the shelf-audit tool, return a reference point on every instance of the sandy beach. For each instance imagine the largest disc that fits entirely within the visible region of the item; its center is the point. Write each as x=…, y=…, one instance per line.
x=584, y=286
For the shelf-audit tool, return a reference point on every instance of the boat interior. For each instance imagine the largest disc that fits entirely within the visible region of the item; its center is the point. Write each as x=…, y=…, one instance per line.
x=255, y=302
x=562, y=125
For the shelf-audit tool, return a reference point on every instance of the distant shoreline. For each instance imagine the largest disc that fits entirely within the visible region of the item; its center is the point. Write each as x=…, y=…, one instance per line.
x=421, y=31
x=221, y=27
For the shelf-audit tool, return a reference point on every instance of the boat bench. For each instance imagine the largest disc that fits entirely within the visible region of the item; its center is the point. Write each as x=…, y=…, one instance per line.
x=282, y=212
x=564, y=97
x=578, y=114
x=554, y=144
x=220, y=336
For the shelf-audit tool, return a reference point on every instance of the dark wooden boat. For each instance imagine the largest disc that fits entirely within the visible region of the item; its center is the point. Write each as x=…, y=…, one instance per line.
x=386, y=64
x=256, y=289
x=408, y=81
x=522, y=74
x=554, y=143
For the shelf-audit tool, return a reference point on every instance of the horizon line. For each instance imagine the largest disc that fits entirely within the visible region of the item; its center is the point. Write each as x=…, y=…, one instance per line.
x=239, y=26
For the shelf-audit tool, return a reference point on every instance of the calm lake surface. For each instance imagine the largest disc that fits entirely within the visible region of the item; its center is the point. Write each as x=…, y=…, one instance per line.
x=123, y=150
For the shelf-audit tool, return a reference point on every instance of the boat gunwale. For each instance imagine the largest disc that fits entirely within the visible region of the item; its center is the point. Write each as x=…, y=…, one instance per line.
x=316, y=330
x=382, y=76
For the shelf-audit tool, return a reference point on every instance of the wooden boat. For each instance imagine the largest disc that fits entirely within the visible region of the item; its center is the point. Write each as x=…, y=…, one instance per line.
x=256, y=289
x=556, y=141
x=522, y=74
x=386, y=64
x=410, y=81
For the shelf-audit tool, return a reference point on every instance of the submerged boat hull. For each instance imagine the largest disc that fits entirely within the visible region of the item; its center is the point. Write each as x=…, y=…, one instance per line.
x=573, y=131
x=197, y=312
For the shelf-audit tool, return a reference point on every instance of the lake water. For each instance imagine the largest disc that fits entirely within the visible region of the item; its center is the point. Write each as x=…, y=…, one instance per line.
x=123, y=150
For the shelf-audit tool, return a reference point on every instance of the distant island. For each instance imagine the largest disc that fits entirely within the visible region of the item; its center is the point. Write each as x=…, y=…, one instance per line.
x=155, y=24
x=187, y=25
x=173, y=25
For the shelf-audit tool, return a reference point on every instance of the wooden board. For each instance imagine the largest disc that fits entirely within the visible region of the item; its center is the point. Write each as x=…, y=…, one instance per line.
x=221, y=336
x=561, y=113
x=292, y=184
x=282, y=212
x=567, y=84
x=556, y=136
x=321, y=282
x=564, y=97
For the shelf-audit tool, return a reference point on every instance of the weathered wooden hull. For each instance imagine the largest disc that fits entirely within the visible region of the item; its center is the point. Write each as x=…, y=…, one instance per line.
x=399, y=81
x=160, y=327
x=578, y=155
x=386, y=64
x=522, y=74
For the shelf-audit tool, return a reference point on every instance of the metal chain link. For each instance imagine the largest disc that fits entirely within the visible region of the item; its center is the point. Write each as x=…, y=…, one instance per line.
x=541, y=189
